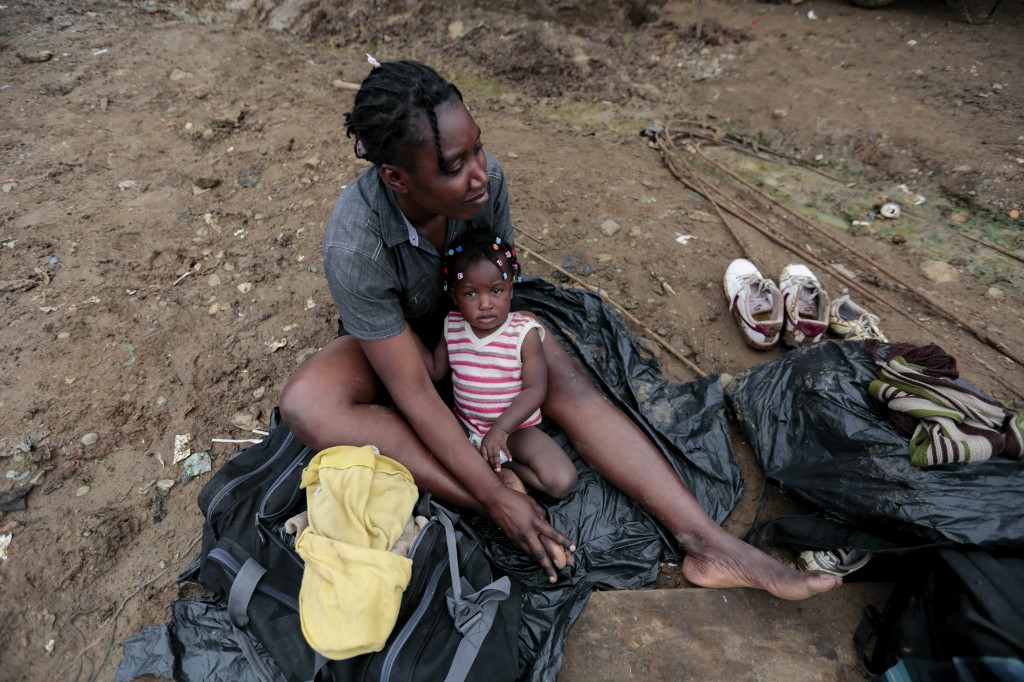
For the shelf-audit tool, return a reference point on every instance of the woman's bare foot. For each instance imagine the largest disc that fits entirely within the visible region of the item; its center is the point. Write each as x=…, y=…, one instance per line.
x=733, y=563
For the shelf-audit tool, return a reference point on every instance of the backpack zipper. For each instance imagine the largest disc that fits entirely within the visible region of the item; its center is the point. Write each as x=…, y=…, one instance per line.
x=241, y=479
x=297, y=463
x=406, y=632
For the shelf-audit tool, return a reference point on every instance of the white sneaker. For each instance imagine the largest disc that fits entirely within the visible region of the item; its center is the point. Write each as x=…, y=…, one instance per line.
x=838, y=562
x=755, y=302
x=847, y=320
x=806, y=305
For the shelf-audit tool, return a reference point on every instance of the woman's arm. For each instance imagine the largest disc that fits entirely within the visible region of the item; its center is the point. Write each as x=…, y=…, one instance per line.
x=535, y=389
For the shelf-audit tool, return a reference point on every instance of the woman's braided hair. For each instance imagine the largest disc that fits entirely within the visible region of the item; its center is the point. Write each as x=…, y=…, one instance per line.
x=388, y=105
x=473, y=246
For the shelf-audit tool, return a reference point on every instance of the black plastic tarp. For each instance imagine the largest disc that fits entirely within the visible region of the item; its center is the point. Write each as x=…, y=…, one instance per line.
x=619, y=545
x=821, y=437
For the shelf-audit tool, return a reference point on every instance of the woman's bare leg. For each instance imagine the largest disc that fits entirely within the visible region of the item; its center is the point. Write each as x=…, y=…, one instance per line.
x=330, y=401
x=618, y=450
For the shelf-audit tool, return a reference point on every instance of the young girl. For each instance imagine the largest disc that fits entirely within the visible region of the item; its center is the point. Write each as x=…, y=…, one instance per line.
x=499, y=374
x=431, y=181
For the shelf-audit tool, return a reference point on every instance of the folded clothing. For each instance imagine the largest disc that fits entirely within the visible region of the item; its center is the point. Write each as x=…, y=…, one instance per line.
x=359, y=503
x=954, y=423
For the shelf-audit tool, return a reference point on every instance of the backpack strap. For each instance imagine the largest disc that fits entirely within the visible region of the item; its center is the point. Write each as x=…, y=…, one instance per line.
x=242, y=589
x=473, y=613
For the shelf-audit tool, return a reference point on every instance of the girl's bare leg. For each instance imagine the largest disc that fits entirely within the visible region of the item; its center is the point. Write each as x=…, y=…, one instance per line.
x=617, y=449
x=541, y=463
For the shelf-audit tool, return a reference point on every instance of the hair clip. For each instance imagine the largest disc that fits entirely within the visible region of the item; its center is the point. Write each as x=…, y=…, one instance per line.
x=504, y=275
x=497, y=240
x=360, y=149
x=458, y=249
x=458, y=276
x=508, y=254
x=373, y=62
x=451, y=252
x=498, y=262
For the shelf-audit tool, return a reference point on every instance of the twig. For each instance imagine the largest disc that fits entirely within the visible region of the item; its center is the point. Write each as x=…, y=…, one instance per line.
x=665, y=344
x=1009, y=254
x=536, y=239
x=700, y=19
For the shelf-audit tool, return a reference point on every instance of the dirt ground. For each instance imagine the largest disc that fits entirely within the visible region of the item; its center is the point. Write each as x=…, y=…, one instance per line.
x=167, y=171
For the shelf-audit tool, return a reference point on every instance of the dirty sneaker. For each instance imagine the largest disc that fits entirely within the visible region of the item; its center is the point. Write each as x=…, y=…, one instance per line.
x=839, y=562
x=755, y=302
x=847, y=320
x=805, y=303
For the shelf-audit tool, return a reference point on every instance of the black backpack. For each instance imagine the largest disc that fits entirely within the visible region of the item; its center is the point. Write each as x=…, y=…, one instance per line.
x=951, y=604
x=466, y=632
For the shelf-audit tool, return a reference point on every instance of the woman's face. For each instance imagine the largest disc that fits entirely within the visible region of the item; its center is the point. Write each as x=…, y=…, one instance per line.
x=458, y=192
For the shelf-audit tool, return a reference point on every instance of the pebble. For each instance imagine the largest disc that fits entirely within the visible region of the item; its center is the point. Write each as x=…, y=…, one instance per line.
x=90, y=438
x=245, y=287
x=213, y=280
x=165, y=484
x=64, y=335
x=82, y=491
x=512, y=155
x=214, y=309
x=258, y=393
x=939, y=272
x=610, y=227
x=995, y=292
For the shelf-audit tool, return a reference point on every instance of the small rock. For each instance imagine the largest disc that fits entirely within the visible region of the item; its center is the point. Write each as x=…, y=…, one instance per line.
x=214, y=309
x=90, y=438
x=206, y=183
x=958, y=218
x=898, y=239
x=213, y=280
x=779, y=113
x=455, y=29
x=313, y=162
x=995, y=292
x=82, y=491
x=725, y=378
x=939, y=272
x=35, y=57
x=245, y=287
x=258, y=393
x=609, y=227
x=962, y=168
x=179, y=74
x=63, y=335
x=512, y=155
x=165, y=484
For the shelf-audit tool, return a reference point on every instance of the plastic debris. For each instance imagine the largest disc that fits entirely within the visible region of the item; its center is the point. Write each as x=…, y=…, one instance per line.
x=181, y=447
x=198, y=463
x=890, y=210
x=812, y=16
x=683, y=239
x=5, y=542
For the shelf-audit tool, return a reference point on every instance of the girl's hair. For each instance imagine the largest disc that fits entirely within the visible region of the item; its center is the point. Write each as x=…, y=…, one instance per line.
x=474, y=246
x=390, y=103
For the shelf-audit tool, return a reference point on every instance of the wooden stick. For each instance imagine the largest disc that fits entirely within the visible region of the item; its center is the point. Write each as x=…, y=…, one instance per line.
x=625, y=313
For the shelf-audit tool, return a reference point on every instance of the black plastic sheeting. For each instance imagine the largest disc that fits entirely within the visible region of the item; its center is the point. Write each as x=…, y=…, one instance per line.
x=820, y=436
x=618, y=545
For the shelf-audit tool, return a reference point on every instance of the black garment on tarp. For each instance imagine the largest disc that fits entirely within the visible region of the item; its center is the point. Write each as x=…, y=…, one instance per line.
x=618, y=545
x=820, y=436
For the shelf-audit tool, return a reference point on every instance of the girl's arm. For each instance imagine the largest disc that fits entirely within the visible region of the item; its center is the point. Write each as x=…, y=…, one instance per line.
x=535, y=389
x=436, y=362
x=399, y=366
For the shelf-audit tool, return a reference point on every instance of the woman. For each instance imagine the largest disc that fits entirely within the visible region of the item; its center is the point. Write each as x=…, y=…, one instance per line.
x=431, y=182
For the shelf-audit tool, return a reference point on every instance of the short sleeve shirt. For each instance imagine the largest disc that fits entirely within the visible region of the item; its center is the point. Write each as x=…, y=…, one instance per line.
x=381, y=273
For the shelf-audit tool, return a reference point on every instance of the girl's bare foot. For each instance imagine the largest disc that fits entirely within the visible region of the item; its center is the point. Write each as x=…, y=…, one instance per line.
x=511, y=481
x=733, y=563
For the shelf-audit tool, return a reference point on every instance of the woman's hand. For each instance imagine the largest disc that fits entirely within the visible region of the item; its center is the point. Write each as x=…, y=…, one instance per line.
x=494, y=445
x=522, y=521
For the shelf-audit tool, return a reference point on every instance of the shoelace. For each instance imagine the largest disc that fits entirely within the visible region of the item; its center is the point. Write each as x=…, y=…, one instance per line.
x=810, y=293
x=761, y=301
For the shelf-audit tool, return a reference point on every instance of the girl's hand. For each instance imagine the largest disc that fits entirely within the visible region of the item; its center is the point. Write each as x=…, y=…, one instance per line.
x=493, y=445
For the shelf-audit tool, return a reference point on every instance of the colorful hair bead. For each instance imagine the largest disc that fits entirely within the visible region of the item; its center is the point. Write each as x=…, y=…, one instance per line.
x=458, y=275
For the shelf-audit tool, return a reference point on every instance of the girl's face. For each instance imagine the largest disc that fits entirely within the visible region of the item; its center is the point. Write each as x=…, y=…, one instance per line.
x=460, y=191
x=483, y=296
